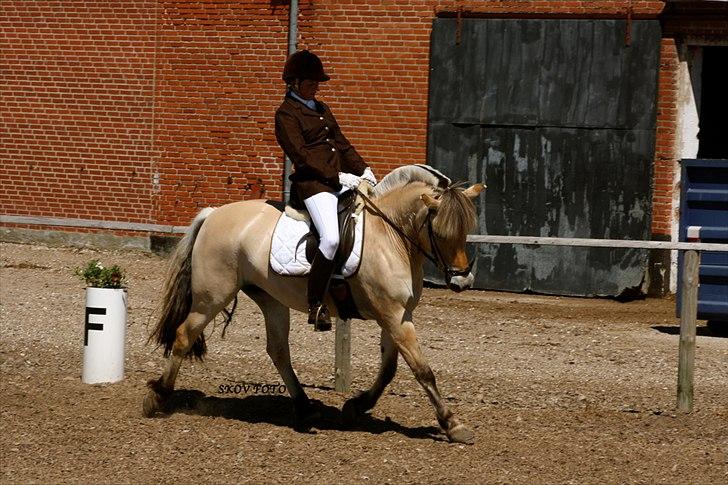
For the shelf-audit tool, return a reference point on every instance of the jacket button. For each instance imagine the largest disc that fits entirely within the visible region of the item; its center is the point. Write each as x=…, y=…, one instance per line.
x=321, y=117
x=333, y=149
x=328, y=139
x=326, y=128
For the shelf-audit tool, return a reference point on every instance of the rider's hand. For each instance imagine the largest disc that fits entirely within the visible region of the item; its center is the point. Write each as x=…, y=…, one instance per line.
x=368, y=175
x=348, y=180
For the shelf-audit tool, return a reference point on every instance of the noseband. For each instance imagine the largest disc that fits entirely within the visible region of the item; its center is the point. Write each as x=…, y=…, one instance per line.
x=438, y=260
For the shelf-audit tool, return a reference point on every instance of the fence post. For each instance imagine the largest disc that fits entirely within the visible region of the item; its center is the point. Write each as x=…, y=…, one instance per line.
x=342, y=362
x=688, y=317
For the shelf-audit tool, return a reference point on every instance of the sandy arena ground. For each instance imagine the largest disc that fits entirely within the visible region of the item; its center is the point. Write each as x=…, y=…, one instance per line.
x=557, y=390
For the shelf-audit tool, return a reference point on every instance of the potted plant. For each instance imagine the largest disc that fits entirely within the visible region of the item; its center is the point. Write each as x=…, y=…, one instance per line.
x=104, y=332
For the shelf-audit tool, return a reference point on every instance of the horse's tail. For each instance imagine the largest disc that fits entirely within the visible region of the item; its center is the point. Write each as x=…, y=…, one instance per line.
x=177, y=299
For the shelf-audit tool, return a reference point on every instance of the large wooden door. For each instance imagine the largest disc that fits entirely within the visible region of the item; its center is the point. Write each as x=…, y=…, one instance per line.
x=557, y=117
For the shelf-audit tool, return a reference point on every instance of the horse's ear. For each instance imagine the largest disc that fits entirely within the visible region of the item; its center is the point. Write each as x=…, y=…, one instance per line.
x=431, y=202
x=473, y=190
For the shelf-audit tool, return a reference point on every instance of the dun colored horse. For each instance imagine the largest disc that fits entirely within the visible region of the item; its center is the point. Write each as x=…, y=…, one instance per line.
x=414, y=213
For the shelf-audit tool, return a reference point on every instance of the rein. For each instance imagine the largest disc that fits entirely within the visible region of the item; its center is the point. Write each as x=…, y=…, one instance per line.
x=437, y=259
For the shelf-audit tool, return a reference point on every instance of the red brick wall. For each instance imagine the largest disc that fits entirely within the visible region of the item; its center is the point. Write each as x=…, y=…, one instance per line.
x=662, y=211
x=379, y=63
x=77, y=104
x=146, y=111
x=218, y=85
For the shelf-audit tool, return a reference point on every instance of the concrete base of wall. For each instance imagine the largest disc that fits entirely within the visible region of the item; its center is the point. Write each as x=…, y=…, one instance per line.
x=163, y=244
x=74, y=239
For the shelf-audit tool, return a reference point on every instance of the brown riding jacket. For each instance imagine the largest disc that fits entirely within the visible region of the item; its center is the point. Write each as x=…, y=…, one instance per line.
x=313, y=141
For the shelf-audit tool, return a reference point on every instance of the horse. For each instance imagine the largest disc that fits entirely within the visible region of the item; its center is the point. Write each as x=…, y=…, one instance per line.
x=414, y=212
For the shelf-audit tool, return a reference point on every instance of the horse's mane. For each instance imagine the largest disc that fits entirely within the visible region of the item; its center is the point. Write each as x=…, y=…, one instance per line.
x=411, y=173
x=456, y=213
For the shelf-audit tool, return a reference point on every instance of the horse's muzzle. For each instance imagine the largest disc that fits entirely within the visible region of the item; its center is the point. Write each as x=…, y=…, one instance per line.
x=460, y=283
x=460, y=279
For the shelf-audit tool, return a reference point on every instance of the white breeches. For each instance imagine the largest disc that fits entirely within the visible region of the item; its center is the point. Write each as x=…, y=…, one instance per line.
x=323, y=210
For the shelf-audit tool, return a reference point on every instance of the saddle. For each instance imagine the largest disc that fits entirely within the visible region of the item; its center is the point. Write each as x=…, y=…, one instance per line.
x=350, y=238
x=347, y=208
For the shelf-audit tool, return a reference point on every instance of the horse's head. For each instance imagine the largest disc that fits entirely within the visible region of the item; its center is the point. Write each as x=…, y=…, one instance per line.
x=451, y=216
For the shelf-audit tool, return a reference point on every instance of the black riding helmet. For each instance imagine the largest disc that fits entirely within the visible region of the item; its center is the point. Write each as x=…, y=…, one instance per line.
x=304, y=65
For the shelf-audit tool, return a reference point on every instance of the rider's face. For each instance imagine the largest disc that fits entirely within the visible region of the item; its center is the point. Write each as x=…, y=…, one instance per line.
x=308, y=88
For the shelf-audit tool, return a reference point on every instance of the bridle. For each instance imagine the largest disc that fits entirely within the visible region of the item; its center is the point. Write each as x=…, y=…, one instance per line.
x=448, y=270
x=437, y=259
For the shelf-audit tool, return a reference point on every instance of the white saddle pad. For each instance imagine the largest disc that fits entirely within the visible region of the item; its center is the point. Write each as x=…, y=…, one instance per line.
x=287, y=260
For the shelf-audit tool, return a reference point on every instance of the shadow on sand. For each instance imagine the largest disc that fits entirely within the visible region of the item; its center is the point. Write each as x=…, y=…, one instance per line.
x=278, y=411
x=700, y=331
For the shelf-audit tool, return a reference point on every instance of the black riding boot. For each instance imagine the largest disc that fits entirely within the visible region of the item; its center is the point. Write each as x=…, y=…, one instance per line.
x=318, y=285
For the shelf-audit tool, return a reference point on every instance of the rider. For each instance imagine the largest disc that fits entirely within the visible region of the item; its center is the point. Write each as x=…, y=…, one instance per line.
x=308, y=133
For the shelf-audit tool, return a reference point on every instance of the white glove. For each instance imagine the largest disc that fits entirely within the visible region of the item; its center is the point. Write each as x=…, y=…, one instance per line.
x=348, y=180
x=368, y=175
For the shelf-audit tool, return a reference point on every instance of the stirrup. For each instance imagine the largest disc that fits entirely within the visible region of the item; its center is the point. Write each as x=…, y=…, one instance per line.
x=318, y=316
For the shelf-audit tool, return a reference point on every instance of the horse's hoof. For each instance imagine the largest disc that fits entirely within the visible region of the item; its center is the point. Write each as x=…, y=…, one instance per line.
x=304, y=415
x=302, y=424
x=352, y=410
x=152, y=405
x=349, y=414
x=461, y=434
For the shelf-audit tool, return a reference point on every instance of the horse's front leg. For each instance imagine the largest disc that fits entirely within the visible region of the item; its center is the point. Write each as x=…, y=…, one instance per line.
x=277, y=327
x=364, y=401
x=405, y=338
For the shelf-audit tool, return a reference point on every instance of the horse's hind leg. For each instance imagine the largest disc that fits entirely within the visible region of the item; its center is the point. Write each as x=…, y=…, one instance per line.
x=187, y=333
x=277, y=327
x=364, y=401
x=405, y=338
